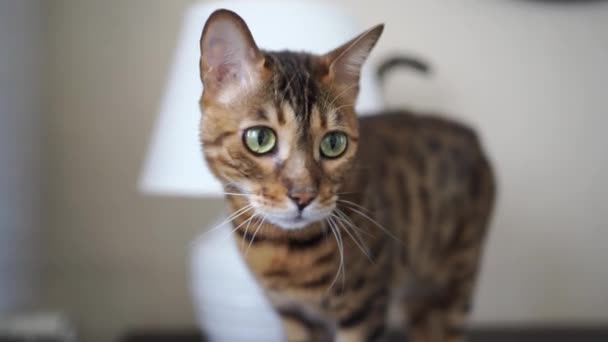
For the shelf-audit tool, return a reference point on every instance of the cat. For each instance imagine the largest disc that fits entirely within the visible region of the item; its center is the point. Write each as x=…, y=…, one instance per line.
x=354, y=228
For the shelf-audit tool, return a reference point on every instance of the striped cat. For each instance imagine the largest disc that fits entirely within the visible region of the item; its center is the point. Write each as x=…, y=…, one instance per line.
x=354, y=227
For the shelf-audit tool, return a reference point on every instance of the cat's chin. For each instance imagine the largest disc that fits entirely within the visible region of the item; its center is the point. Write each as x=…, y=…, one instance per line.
x=291, y=223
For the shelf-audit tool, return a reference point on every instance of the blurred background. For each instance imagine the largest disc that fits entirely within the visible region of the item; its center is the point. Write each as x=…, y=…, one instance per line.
x=81, y=84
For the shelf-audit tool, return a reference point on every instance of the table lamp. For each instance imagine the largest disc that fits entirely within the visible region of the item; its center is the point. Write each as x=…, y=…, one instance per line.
x=229, y=304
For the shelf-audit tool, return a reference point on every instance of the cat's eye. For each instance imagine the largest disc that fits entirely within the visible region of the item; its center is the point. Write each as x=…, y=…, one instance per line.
x=260, y=139
x=333, y=144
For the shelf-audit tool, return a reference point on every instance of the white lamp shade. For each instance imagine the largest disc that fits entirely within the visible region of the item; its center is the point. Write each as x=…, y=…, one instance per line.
x=174, y=164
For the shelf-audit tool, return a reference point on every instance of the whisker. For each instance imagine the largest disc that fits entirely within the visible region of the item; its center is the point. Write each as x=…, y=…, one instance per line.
x=347, y=219
x=343, y=260
x=348, y=193
x=248, y=221
x=235, y=194
x=375, y=223
x=331, y=228
x=340, y=249
x=355, y=205
x=238, y=213
x=362, y=245
x=242, y=223
x=359, y=243
x=230, y=218
x=255, y=233
x=344, y=218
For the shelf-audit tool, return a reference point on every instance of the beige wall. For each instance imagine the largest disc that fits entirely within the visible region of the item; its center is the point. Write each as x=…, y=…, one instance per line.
x=530, y=77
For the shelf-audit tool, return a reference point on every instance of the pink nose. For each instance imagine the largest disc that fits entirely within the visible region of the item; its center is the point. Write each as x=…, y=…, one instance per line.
x=302, y=199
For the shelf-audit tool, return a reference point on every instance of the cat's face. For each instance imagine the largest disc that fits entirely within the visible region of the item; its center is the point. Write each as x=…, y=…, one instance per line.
x=290, y=165
x=279, y=129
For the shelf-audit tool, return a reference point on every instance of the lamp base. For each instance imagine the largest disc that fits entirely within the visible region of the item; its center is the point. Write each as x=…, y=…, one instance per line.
x=229, y=304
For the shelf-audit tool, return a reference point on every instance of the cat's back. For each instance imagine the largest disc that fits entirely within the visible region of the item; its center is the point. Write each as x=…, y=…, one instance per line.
x=416, y=137
x=410, y=157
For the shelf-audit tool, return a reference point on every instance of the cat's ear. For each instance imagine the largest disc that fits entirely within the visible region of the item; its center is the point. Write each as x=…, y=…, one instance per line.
x=230, y=60
x=344, y=63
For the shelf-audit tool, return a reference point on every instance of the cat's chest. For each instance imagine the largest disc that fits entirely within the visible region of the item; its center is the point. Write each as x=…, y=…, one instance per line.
x=286, y=263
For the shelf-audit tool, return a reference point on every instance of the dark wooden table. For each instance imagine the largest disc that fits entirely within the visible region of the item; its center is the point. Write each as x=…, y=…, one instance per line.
x=494, y=334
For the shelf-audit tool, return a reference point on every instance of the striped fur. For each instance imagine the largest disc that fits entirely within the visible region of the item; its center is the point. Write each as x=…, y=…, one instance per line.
x=408, y=203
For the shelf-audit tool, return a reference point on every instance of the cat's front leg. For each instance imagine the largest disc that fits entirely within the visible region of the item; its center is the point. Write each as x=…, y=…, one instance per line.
x=365, y=321
x=300, y=327
x=369, y=332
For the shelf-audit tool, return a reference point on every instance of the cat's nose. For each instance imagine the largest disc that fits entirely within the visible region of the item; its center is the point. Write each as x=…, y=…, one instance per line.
x=302, y=198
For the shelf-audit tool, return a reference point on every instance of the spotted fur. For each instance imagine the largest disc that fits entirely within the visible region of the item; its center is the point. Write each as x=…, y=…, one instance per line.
x=398, y=221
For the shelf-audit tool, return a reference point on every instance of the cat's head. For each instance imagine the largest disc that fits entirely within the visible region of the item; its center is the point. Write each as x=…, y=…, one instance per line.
x=279, y=127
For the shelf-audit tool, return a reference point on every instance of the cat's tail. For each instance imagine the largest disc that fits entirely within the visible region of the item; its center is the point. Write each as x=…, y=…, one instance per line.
x=402, y=61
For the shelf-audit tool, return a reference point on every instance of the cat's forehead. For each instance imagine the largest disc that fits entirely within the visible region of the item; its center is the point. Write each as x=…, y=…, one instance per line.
x=295, y=82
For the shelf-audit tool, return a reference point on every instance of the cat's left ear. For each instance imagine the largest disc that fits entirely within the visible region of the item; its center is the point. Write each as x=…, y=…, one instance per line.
x=345, y=62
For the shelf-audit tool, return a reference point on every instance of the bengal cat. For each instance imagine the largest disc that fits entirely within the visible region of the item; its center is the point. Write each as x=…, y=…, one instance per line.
x=354, y=227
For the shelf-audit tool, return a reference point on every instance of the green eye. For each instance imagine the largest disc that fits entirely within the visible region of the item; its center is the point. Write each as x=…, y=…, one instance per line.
x=260, y=139
x=333, y=144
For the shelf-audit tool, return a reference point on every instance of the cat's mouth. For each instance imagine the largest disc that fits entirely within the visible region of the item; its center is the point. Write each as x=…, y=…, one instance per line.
x=294, y=222
x=289, y=216
x=296, y=219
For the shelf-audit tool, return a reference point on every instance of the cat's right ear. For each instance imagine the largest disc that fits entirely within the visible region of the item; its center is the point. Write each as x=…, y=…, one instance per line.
x=230, y=60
